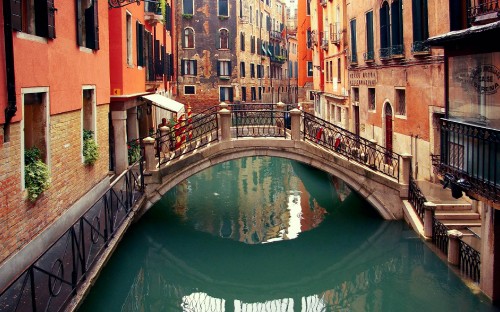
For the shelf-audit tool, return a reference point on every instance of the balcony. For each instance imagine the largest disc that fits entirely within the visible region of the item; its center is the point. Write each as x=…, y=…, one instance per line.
x=276, y=35
x=324, y=44
x=470, y=159
x=369, y=56
x=392, y=52
x=483, y=11
x=420, y=48
x=385, y=53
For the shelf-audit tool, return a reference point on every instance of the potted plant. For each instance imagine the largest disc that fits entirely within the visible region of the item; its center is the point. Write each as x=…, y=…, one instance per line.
x=90, y=149
x=36, y=173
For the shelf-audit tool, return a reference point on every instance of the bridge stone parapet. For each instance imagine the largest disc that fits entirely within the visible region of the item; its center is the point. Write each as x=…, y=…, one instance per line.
x=384, y=193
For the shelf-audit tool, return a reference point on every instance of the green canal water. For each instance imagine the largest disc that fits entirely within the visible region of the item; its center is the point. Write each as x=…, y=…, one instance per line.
x=269, y=234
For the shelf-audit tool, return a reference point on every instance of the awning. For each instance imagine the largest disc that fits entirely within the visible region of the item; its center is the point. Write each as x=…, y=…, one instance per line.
x=165, y=103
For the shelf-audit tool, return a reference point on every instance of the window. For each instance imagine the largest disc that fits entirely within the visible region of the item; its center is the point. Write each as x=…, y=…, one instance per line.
x=33, y=17
x=226, y=94
x=354, y=52
x=260, y=93
x=129, y=39
x=148, y=56
x=187, y=7
x=260, y=71
x=400, y=102
x=252, y=44
x=331, y=70
x=397, y=27
x=309, y=69
x=243, y=93
x=242, y=41
x=420, y=26
x=139, y=41
x=189, y=89
x=339, y=70
x=338, y=114
x=189, y=67
x=385, y=36
x=223, y=8
x=223, y=68
x=87, y=24
x=253, y=94
x=371, y=99
x=251, y=15
x=369, y=37
x=242, y=69
x=89, y=113
x=35, y=123
x=252, y=70
x=188, y=42
x=309, y=38
x=308, y=7
x=355, y=95
x=223, y=42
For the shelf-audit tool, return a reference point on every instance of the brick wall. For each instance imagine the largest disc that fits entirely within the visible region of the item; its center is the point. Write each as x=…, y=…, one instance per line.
x=21, y=220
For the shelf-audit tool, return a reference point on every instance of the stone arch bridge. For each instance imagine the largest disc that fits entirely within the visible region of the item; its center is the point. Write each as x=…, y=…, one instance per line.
x=230, y=132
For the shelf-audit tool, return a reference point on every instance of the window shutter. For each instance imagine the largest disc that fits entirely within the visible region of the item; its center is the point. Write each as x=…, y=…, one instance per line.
x=242, y=42
x=158, y=62
x=425, y=26
x=140, y=44
x=217, y=43
x=218, y=68
x=384, y=26
x=230, y=69
x=369, y=31
x=353, y=41
x=195, y=62
x=396, y=23
x=183, y=67
x=79, y=23
x=171, y=64
x=92, y=26
x=51, y=21
x=230, y=94
x=168, y=17
x=15, y=14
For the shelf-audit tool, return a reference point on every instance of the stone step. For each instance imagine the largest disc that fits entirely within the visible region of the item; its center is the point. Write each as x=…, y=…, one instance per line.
x=460, y=224
x=454, y=207
x=457, y=215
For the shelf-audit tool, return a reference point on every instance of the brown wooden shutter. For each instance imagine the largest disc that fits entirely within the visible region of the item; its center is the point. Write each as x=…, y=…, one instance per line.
x=51, y=20
x=16, y=15
x=79, y=23
x=95, y=26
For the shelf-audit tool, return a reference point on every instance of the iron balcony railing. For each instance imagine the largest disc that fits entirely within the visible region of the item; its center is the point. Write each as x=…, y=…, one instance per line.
x=188, y=135
x=420, y=47
x=350, y=145
x=369, y=56
x=470, y=157
x=385, y=53
x=477, y=8
x=259, y=120
x=53, y=279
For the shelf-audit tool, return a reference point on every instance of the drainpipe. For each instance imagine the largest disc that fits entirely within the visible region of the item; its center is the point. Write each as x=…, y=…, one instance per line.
x=10, y=110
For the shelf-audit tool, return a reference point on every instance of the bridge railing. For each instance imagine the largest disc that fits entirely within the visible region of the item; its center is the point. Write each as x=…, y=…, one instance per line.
x=259, y=120
x=350, y=145
x=186, y=136
x=53, y=279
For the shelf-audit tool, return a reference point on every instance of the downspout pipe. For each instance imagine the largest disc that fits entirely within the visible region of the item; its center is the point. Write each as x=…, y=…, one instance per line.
x=11, y=109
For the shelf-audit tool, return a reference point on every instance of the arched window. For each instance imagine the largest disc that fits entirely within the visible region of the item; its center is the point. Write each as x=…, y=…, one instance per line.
x=188, y=41
x=223, y=39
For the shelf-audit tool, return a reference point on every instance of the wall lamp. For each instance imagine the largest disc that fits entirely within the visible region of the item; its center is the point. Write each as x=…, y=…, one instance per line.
x=121, y=3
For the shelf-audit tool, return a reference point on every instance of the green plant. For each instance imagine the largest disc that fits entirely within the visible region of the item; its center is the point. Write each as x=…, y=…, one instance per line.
x=187, y=16
x=90, y=149
x=222, y=18
x=134, y=152
x=36, y=173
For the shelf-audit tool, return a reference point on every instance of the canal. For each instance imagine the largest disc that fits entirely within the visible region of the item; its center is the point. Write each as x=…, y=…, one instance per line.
x=269, y=234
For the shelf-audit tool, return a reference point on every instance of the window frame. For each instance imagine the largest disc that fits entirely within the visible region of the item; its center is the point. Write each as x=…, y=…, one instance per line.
x=188, y=38
x=230, y=93
x=194, y=89
x=184, y=7
x=397, y=106
x=219, y=8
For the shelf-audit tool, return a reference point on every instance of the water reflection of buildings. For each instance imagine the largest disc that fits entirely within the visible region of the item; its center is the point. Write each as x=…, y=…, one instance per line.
x=356, y=294
x=249, y=202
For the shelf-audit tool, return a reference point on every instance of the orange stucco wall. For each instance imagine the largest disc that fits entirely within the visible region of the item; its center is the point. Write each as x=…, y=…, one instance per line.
x=60, y=64
x=304, y=54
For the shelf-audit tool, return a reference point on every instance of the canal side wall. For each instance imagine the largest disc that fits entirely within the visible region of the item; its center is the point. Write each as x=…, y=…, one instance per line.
x=382, y=192
x=28, y=228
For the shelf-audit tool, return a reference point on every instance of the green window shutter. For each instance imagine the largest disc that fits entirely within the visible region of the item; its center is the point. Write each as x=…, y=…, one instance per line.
x=183, y=67
x=396, y=23
x=168, y=17
x=230, y=94
x=218, y=68
x=384, y=26
x=369, y=31
x=425, y=22
x=417, y=23
x=353, y=41
x=195, y=64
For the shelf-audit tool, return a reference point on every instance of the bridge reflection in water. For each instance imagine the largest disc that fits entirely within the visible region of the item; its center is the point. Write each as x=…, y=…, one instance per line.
x=334, y=253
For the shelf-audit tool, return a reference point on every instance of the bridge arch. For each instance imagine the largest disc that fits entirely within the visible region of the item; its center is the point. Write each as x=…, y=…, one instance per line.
x=381, y=192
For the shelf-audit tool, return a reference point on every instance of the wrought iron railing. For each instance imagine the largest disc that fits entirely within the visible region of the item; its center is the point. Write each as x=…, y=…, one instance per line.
x=440, y=235
x=416, y=199
x=188, y=135
x=53, y=279
x=350, y=145
x=482, y=7
x=397, y=50
x=385, y=53
x=471, y=154
x=369, y=55
x=470, y=261
x=420, y=47
x=258, y=120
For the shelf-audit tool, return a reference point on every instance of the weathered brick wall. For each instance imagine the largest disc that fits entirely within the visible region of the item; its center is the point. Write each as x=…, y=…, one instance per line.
x=21, y=220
